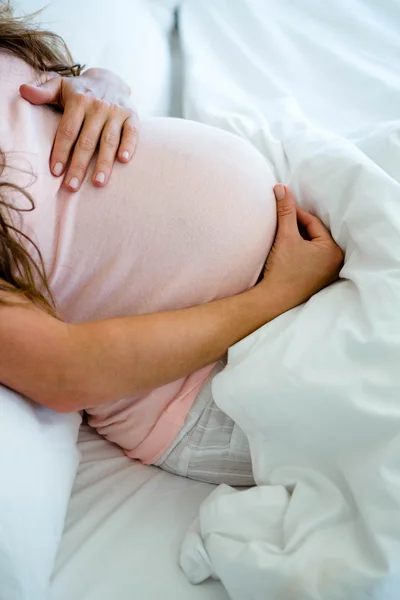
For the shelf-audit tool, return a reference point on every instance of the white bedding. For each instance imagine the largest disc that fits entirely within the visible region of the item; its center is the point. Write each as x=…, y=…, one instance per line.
x=316, y=87
x=124, y=527
x=276, y=77
x=338, y=60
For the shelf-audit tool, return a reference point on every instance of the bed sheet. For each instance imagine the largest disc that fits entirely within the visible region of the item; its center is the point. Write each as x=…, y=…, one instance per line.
x=123, y=531
x=338, y=61
x=316, y=87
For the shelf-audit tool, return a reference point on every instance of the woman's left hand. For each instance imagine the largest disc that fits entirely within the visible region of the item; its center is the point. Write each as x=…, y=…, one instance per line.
x=96, y=112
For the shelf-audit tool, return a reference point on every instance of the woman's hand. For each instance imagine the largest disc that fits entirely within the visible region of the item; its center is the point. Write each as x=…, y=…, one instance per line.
x=96, y=113
x=304, y=258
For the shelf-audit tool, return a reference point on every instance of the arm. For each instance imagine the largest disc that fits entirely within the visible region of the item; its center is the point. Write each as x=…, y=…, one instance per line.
x=96, y=113
x=70, y=367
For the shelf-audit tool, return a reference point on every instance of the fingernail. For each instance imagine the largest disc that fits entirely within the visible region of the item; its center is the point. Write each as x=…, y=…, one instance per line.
x=58, y=168
x=125, y=155
x=280, y=191
x=74, y=183
x=100, y=177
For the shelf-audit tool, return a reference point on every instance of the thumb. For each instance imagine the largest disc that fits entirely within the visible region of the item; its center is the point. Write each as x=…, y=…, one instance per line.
x=286, y=211
x=45, y=93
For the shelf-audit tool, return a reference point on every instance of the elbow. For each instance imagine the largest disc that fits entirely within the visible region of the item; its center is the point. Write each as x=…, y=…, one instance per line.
x=72, y=401
x=74, y=383
x=75, y=394
x=67, y=397
x=64, y=406
x=57, y=402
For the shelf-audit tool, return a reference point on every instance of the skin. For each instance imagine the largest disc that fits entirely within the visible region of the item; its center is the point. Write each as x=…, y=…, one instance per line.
x=96, y=114
x=69, y=367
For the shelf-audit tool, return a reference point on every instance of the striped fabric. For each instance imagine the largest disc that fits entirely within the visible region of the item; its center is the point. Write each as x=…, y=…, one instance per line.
x=210, y=447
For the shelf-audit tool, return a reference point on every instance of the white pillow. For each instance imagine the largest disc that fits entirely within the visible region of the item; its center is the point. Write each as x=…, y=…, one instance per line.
x=38, y=463
x=122, y=35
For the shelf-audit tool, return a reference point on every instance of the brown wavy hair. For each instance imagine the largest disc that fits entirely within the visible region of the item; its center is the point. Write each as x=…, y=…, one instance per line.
x=45, y=51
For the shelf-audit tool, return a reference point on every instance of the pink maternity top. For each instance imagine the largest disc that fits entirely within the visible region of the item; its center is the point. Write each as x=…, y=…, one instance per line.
x=189, y=220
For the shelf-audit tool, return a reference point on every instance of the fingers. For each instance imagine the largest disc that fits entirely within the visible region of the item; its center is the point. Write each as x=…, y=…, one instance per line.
x=119, y=134
x=86, y=146
x=45, y=93
x=86, y=122
x=109, y=143
x=286, y=211
x=67, y=134
x=129, y=138
x=290, y=216
x=314, y=227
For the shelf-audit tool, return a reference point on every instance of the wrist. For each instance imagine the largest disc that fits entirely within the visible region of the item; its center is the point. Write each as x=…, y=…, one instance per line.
x=241, y=315
x=108, y=79
x=271, y=299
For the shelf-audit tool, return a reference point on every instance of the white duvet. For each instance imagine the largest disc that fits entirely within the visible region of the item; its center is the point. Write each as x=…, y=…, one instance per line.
x=317, y=391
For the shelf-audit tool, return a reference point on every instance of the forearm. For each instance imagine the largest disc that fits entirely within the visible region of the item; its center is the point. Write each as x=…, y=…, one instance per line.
x=69, y=367
x=121, y=357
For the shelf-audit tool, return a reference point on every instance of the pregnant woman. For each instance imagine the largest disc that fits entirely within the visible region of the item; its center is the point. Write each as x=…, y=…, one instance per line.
x=121, y=294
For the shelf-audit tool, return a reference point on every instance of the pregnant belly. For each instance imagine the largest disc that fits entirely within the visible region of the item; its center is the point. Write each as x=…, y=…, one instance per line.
x=194, y=215
x=190, y=219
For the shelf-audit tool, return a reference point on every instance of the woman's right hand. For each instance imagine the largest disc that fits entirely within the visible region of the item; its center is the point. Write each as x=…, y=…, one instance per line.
x=300, y=264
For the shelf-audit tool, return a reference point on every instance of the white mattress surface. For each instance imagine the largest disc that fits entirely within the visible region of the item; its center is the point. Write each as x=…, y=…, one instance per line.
x=123, y=531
